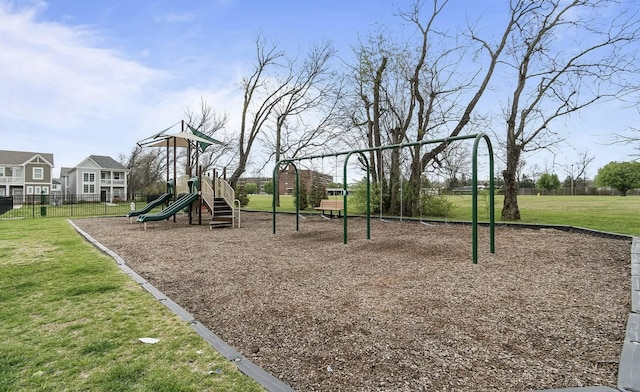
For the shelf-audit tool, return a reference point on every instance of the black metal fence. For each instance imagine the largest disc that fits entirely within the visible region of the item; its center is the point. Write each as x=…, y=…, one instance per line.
x=40, y=206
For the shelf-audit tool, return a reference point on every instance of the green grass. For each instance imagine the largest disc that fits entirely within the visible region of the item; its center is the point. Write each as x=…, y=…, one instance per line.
x=606, y=213
x=70, y=320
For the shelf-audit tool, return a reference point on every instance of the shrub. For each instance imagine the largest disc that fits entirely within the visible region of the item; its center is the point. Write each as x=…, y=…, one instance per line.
x=359, y=199
x=436, y=205
x=318, y=192
x=241, y=194
x=267, y=187
x=251, y=188
x=303, y=203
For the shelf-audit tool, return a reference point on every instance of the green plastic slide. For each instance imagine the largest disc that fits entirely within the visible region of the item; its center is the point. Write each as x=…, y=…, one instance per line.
x=170, y=211
x=160, y=200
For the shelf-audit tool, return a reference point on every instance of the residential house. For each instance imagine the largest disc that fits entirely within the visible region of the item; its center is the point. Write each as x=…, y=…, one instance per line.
x=95, y=177
x=25, y=174
x=56, y=192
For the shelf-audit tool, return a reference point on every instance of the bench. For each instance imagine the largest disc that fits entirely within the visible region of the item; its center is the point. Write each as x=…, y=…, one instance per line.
x=331, y=205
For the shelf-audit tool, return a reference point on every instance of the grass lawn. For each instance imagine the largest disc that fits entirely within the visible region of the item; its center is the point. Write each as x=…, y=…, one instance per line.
x=607, y=213
x=70, y=320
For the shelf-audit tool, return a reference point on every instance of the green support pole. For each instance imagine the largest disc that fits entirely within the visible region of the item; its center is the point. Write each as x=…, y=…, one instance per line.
x=474, y=195
x=348, y=154
x=474, y=204
x=274, y=181
x=344, y=200
x=297, y=198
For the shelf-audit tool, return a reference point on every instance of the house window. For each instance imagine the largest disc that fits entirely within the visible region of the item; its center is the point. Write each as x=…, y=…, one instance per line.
x=29, y=190
x=1, y=171
x=116, y=175
x=45, y=190
x=38, y=173
x=37, y=190
x=117, y=193
x=89, y=185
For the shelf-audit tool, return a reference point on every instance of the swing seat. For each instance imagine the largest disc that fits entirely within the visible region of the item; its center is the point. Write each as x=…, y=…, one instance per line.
x=331, y=205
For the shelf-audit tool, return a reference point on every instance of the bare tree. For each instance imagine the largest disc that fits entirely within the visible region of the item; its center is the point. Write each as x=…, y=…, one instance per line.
x=263, y=90
x=146, y=170
x=454, y=162
x=630, y=136
x=210, y=123
x=418, y=93
x=303, y=120
x=581, y=166
x=565, y=57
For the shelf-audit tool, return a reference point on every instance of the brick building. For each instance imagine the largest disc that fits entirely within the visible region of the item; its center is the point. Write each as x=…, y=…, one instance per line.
x=287, y=179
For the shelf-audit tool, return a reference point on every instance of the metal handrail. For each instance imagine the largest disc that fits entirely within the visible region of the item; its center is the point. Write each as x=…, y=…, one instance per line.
x=207, y=192
x=234, y=215
x=225, y=191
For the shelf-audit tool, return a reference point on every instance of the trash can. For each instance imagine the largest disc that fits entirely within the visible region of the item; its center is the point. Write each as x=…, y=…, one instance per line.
x=43, y=205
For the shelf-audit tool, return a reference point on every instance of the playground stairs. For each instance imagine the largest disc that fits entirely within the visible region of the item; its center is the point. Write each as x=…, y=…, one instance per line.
x=222, y=213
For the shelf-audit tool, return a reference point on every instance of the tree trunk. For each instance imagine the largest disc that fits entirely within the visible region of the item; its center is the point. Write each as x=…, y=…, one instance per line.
x=415, y=189
x=510, y=209
x=394, y=183
x=235, y=176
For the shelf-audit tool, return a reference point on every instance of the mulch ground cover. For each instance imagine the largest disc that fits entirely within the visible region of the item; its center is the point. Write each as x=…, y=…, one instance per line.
x=404, y=311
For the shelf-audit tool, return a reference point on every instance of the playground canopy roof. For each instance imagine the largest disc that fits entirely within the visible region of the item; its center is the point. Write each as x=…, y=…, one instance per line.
x=181, y=139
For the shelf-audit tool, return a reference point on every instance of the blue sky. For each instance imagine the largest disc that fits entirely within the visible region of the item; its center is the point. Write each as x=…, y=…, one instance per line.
x=93, y=77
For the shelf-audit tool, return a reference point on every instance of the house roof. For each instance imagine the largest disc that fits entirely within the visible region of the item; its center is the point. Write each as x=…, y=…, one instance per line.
x=64, y=171
x=106, y=162
x=22, y=157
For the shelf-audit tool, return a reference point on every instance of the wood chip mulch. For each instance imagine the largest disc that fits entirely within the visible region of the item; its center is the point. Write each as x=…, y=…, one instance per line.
x=404, y=311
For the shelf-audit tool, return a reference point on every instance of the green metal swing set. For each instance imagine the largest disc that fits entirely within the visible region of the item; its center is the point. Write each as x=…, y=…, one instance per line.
x=361, y=152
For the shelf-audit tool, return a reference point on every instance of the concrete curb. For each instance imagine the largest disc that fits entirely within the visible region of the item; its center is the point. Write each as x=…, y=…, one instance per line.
x=581, y=389
x=262, y=377
x=629, y=365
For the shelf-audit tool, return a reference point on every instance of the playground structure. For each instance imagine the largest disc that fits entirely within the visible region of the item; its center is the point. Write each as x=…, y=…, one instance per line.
x=185, y=201
x=162, y=199
x=193, y=191
x=363, y=157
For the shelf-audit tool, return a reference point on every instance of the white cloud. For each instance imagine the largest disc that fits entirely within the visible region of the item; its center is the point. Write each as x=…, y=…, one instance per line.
x=62, y=93
x=52, y=76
